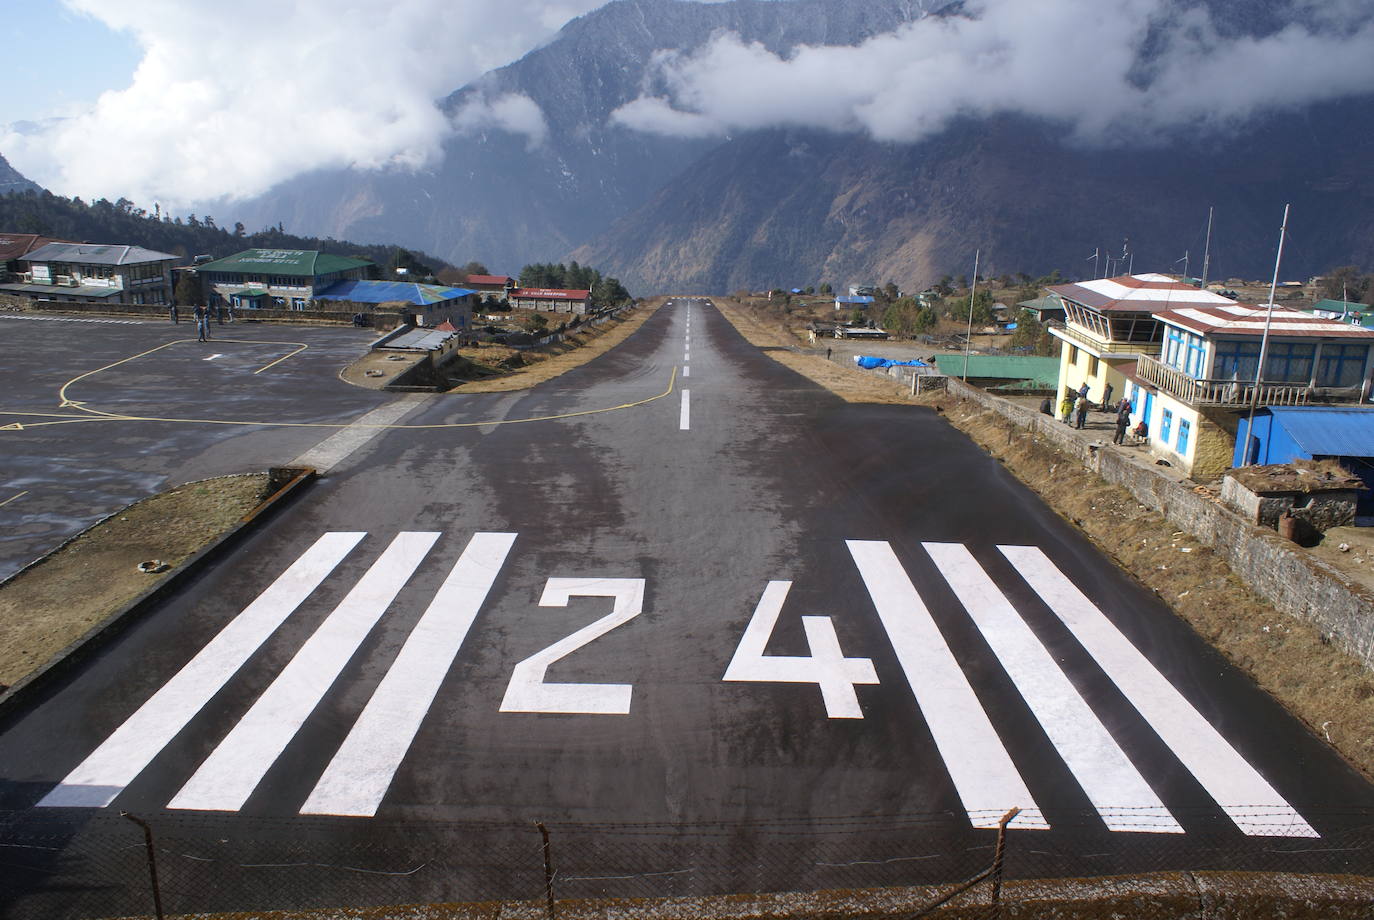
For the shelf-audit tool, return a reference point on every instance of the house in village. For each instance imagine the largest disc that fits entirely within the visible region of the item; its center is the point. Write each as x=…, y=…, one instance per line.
x=276, y=278
x=1187, y=358
x=548, y=300
x=495, y=287
x=427, y=304
x=14, y=246
x=94, y=273
x=853, y=301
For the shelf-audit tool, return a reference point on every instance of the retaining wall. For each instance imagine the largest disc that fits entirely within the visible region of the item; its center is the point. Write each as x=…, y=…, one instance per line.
x=1293, y=581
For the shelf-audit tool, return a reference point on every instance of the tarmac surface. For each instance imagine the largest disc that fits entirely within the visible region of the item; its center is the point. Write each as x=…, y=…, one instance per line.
x=716, y=628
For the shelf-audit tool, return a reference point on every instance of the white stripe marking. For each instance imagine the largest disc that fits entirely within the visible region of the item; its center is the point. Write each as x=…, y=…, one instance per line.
x=983, y=773
x=686, y=371
x=332, y=451
x=1092, y=755
x=213, y=357
x=1241, y=792
x=360, y=773
x=113, y=765
x=233, y=770
x=684, y=420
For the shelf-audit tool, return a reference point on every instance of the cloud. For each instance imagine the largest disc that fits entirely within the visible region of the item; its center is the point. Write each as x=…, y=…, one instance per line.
x=1110, y=70
x=514, y=113
x=228, y=101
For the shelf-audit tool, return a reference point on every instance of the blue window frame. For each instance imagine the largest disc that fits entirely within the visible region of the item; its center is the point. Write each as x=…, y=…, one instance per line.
x=1236, y=360
x=1166, y=419
x=1342, y=365
x=1197, y=354
x=1289, y=362
x=1184, y=427
x=1184, y=351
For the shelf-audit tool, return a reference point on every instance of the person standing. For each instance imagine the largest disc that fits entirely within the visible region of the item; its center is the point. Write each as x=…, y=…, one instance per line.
x=173, y=311
x=1107, y=399
x=202, y=323
x=1123, y=421
x=1066, y=408
x=1081, y=415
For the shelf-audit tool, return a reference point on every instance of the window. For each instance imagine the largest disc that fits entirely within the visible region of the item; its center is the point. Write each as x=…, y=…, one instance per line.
x=1288, y=362
x=1073, y=354
x=1342, y=365
x=1092, y=365
x=1236, y=360
x=1166, y=421
x=1183, y=428
x=1184, y=351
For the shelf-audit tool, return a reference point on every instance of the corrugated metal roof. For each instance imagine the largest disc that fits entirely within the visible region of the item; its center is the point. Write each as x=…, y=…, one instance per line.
x=419, y=295
x=61, y=290
x=1042, y=371
x=292, y=262
x=1238, y=319
x=854, y=299
x=97, y=254
x=420, y=339
x=1326, y=431
x=1147, y=293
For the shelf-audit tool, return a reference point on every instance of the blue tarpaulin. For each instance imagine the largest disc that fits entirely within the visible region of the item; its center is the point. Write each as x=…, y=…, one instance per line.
x=869, y=363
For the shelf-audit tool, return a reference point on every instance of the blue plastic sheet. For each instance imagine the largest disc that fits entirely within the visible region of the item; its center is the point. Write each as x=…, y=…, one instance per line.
x=870, y=363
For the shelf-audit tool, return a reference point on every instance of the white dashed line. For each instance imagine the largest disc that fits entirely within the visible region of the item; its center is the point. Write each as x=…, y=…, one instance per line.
x=685, y=419
x=686, y=371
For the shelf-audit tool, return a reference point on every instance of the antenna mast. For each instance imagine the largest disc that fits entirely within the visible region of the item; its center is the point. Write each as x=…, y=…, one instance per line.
x=1264, y=340
x=1207, y=252
x=968, y=338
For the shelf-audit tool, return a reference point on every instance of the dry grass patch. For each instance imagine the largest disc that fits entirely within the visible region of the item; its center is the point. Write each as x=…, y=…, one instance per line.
x=45, y=608
x=538, y=365
x=1327, y=688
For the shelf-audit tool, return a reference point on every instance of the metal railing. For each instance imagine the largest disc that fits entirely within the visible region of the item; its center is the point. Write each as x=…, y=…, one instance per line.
x=1204, y=392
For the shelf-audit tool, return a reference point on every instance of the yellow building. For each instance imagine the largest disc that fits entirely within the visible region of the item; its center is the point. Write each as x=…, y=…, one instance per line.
x=1109, y=323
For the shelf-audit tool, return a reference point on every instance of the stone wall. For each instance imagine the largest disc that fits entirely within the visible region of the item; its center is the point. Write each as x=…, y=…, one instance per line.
x=1290, y=579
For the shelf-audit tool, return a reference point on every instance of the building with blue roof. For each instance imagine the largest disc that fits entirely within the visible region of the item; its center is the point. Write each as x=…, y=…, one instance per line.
x=1285, y=434
x=430, y=304
x=843, y=301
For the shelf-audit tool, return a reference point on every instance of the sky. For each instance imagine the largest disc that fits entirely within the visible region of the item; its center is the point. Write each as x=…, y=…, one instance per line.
x=183, y=102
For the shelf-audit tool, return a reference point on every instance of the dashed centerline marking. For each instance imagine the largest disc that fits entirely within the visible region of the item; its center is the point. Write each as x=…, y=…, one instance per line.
x=685, y=418
x=686, y=371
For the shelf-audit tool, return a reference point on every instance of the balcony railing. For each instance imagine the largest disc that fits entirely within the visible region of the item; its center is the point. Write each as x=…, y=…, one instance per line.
x=1198, y=392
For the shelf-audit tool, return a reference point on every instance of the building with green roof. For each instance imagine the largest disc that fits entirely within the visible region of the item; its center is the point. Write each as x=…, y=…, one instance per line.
x=277, y=278
x=1014, y=372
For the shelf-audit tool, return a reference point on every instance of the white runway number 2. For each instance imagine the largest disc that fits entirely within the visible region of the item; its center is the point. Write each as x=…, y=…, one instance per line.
x=528, y=692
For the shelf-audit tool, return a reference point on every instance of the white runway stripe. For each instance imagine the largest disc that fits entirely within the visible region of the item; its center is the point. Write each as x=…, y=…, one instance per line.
x=113, y=765
x=1094, y=758
x=684, y=420
x=686, y=371
x=984, y=776
x=230, y=774
x=360, y=773
x=1241, y=792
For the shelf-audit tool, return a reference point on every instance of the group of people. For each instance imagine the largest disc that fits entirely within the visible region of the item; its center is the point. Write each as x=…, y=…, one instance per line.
x=202, y=315
x=1074, y=407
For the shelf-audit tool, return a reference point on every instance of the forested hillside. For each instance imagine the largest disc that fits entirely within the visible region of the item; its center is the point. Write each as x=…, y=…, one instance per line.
x=122, y=222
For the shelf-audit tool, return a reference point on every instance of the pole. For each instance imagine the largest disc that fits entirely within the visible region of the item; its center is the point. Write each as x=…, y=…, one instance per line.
x=1207, y=252
x=1264, y=340
x=968, y=339
x=548, y=869
x=152, y=860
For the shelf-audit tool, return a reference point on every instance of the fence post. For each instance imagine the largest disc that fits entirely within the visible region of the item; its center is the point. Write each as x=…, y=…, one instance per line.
x=548, y=869
x=152, y=860
x=998, y=856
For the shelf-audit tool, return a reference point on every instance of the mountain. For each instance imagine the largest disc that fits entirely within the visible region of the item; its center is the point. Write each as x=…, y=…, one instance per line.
x=11, y=181
x=791, y=208
x=497, y=200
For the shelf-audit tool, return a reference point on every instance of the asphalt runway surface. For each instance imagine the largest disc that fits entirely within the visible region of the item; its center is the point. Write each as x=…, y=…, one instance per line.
x=715, y=628
x=81, y=403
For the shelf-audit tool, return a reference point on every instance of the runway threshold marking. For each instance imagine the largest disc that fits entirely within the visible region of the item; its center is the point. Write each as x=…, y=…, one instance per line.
x=358, y=776
x=1254, y=805
x=1091, y=754
x=113, y=765
x=984, y=776
x=233, y=770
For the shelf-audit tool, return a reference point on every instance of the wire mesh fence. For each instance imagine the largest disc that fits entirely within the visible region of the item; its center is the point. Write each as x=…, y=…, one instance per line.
x=927, y=865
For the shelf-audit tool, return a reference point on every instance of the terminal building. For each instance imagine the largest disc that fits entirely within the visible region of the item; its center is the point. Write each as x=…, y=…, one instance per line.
x=281, y=279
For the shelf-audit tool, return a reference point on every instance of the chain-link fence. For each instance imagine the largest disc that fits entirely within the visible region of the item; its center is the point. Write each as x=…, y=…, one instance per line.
x=69, y=866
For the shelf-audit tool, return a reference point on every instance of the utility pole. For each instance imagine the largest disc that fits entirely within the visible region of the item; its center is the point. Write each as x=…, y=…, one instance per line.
x=1207, y=252
x=968, y=338
x=1264, y=340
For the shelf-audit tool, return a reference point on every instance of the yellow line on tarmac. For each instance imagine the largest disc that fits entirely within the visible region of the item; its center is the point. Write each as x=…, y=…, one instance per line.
x=105, y=416
x=293, y=354
x=14, y=498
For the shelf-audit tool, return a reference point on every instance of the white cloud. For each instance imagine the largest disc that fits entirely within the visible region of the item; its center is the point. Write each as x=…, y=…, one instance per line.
x=229, y=100
x=514, y=113
x=1080, y=62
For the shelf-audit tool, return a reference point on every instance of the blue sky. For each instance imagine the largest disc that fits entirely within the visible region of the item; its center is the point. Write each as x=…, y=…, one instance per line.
x=62, y=60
